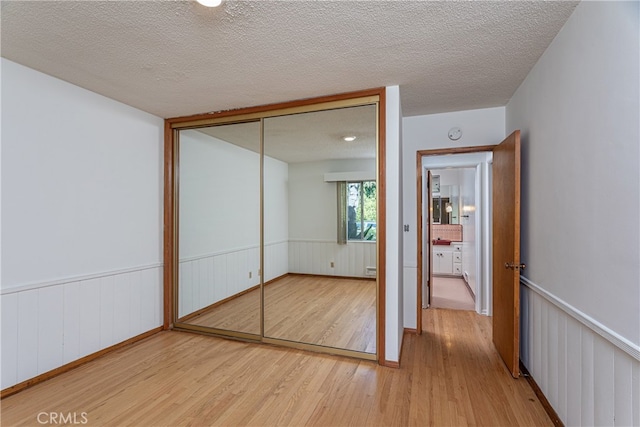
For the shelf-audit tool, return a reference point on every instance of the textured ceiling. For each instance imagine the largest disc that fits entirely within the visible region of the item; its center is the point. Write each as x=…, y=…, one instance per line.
x=176, y=58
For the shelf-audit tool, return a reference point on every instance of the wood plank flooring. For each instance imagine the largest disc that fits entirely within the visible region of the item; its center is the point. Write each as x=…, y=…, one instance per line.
x=327, y=311
x=450, y=375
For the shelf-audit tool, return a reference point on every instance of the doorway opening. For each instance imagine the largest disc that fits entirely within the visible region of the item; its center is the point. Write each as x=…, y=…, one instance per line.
x=497, y=224
x=453, y=242
x=454, y=230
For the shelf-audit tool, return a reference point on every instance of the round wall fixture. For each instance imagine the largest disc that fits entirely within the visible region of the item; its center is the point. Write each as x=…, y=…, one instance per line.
x=455, y=133
x=210, y=3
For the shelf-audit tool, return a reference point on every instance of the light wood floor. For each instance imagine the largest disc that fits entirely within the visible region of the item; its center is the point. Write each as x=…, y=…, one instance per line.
x=327, y=311
x=450, y=375
x=451, y=292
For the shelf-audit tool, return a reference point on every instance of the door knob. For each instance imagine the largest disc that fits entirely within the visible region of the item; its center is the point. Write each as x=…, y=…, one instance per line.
x=512, y=266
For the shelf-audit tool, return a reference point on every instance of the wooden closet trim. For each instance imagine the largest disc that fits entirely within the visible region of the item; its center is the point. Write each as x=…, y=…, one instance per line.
x=170, y=184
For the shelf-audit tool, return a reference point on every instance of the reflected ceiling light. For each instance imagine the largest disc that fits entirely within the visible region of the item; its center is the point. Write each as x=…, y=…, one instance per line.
x=210, y=3
x=349, y=138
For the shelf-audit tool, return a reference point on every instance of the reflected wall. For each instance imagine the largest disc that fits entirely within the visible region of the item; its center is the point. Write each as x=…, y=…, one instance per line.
x=219, y=227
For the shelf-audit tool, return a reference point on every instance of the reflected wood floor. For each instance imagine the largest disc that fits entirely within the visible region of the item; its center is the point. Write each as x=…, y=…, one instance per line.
x=449, y=375
x=327, y=311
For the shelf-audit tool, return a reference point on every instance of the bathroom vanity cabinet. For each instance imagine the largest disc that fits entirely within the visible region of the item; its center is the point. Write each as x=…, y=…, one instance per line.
x=447, y=259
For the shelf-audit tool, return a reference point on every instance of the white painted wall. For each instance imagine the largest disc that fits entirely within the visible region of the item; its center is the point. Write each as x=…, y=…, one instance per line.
x=578, y=112
x=479, y=127
x=83, y=181
x=447, y=177
x=81, y=223
x=579, y=115
x=393, y=251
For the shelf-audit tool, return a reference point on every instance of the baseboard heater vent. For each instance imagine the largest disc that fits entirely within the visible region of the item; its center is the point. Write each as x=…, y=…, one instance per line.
x=370, y=271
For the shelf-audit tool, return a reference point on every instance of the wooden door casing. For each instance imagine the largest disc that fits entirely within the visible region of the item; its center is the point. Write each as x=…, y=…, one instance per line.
x=429, y=223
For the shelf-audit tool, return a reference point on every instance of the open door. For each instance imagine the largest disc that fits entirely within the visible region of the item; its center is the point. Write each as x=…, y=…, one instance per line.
x=506, y=251
x=430, y=245
x=425, y=263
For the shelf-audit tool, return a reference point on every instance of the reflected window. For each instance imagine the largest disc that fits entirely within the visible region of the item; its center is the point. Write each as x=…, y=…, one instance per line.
x=361, y=210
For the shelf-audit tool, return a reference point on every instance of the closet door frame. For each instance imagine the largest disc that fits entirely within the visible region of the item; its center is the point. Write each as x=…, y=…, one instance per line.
x=171, y=177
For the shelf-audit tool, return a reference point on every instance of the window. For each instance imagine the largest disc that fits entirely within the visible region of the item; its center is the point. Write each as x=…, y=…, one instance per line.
x=361, y=210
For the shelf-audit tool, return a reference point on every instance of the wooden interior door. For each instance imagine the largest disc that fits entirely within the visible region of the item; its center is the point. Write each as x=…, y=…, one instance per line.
x=430, y=239
x=506, y=251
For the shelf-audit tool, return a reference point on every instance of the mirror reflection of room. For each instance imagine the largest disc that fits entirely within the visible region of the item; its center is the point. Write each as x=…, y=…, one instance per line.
x=453, y=193
x=328, y=296
x=316, y=180
x=219, y=227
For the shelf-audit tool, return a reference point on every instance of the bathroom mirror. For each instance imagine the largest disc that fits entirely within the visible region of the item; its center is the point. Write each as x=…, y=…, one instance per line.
x=446, y=205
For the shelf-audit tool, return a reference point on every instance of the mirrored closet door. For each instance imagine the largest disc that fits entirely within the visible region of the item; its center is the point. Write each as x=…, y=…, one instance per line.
x=219, y=227
x=276, y=226
x=316, y=166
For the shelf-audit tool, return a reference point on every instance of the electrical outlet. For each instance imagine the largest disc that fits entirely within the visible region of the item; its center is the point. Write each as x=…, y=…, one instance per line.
x=332, y=264
x=250, y=274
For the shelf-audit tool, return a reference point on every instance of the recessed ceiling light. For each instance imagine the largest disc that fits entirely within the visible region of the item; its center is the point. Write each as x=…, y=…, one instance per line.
x=210, y=3
x=349, y=138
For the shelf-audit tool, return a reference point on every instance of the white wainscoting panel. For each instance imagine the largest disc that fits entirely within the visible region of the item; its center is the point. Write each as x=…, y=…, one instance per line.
x=207, y=279
x=211, y=278
x=276, y=260
x=46, y=327
x=51, y=331
x=9, y=347
x=589, y=376
x=315, y=257
x=27, y=345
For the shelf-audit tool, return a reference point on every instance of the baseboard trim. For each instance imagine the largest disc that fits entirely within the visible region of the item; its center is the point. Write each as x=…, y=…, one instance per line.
x=72, y=365
x=613, y=337
x=334, y=277
x=473, y=296
x=197, y=313
x=227, y=299
x=553, y=415
x=391, y=364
